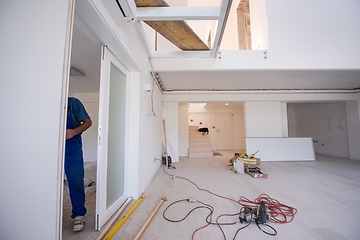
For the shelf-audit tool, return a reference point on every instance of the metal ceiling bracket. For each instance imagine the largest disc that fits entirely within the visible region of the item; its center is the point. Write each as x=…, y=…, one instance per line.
x=224, y=14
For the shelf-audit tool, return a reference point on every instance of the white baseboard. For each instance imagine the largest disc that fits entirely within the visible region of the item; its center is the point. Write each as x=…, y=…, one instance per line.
x=354, y=157
x=334, y=154
x=185, y=155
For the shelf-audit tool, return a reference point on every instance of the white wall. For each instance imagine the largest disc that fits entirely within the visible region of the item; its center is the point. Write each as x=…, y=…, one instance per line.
x=151, y=134
x=183, y=129
x=323, y=122
x=33, y=49
x=291, y=120
x=150, y=35
x=305, y=33
x=165, y=45
x=259, y=25
x=284, y=120
x=263, y=119
x=239, y=130
x=89, y=137
x=353, y=127
x=171, y=116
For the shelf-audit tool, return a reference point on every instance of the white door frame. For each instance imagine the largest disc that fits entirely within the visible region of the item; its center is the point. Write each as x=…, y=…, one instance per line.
x=102, y=212
x=63, y=115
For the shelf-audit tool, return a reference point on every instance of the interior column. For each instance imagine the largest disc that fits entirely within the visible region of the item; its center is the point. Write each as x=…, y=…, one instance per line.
x=265, y=119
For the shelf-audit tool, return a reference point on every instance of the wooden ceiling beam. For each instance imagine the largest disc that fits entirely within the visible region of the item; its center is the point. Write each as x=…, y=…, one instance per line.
x=151, y=3
x=242, y=4
x=177, y=32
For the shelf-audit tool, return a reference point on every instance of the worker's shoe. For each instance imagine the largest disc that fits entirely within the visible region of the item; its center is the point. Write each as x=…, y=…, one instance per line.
x=79, y=223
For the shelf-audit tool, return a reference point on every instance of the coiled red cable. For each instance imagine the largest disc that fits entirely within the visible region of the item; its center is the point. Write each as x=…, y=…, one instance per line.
x=279, y=213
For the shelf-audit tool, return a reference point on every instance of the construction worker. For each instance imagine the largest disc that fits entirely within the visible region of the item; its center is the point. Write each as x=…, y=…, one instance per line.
x=77, y=122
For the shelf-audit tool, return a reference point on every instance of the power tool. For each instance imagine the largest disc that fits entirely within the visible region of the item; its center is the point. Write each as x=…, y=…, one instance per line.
x=259, y=214
x=246, y=215
x=253, y=155
x=243, y=155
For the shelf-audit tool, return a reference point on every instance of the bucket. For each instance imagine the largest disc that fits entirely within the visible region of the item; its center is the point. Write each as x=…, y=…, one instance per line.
x=239, y=166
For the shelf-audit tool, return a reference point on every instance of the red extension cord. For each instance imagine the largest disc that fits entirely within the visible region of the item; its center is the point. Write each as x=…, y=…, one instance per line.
x=279, y=213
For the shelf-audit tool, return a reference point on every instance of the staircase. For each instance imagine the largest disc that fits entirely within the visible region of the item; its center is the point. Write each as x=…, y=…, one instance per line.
x=199, y=144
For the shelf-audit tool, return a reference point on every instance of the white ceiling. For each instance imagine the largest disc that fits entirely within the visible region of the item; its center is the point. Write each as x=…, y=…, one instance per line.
x=223, y=104
x=85, y=56
x=261, y=80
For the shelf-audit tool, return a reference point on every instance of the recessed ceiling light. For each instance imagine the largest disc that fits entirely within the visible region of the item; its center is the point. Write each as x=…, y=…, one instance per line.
x=226, y=104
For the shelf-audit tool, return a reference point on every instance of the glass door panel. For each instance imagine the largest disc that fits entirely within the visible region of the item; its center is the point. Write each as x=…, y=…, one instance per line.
x=116, y=136
x=111, y=188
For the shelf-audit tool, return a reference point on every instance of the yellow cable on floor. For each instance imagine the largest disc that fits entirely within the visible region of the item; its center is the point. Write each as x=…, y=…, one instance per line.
x=121, y=222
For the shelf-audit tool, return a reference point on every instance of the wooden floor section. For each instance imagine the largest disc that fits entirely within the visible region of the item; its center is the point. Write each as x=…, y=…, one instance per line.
x=326, y=193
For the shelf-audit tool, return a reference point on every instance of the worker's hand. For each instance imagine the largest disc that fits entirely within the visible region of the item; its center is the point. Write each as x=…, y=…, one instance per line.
x=70, y=133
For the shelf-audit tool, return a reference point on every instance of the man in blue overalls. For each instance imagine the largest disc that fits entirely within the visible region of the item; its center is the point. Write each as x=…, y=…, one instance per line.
x=77, y=122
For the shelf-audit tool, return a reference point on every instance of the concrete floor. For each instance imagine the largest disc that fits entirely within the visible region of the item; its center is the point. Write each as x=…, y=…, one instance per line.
x=326, y=193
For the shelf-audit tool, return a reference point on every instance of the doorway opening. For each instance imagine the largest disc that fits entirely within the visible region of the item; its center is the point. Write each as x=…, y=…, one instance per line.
x=225, y=122
x=84, y=83
x=100, y=81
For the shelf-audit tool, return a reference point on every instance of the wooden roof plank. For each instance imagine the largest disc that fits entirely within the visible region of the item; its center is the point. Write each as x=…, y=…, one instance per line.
x=242, y=4
x=151, y=3
x=177, y=32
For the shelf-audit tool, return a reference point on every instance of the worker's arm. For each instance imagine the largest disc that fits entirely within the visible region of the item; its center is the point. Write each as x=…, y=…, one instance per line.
x=72, y=132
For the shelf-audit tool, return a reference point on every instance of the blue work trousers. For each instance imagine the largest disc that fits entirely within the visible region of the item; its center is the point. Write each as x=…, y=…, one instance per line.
x=74, y=170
